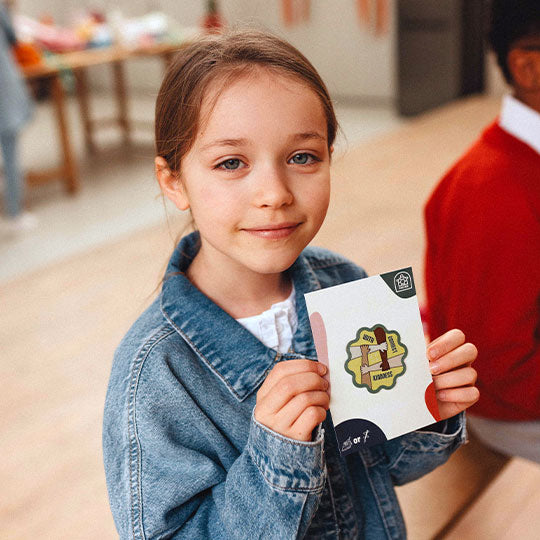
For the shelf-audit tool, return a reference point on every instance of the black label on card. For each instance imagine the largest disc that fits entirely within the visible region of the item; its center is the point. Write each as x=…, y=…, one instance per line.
x=358, y=433
x=401, y=282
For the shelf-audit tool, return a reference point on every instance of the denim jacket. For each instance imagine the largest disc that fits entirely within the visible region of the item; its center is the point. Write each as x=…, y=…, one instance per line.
x=185, y=458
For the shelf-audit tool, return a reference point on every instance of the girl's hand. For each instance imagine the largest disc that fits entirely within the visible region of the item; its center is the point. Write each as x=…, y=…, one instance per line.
x=450, y=363
x=293, y=399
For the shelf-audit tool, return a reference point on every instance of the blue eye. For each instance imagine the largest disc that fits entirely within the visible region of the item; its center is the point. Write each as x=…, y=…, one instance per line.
x=230, y=164
x=303, y=158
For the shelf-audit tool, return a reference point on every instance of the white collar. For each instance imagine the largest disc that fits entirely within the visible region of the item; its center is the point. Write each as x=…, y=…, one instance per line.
x=276, y=326
x=520, y=121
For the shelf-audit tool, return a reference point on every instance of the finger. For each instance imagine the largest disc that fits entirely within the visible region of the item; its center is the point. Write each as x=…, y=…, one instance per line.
x=449, y=409
x=290, y=367
x=453, y=379
x=292, y=411
x=286, y=368
x=465, y=394
x=445, y=343
x=463, y=355
x=289, y=387
x=307, y=422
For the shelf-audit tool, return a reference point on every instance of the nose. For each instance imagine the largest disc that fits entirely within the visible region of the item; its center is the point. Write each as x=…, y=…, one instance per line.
x=272, y=189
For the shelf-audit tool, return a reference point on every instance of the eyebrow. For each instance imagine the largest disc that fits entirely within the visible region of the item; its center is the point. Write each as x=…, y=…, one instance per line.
x=306, y=136
x=225, y=142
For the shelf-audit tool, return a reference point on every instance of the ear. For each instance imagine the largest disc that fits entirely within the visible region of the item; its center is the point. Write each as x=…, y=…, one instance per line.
x=524, y=66
x=171, y=184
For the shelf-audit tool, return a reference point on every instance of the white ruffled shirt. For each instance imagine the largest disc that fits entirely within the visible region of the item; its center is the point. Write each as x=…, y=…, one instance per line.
x=276, y=326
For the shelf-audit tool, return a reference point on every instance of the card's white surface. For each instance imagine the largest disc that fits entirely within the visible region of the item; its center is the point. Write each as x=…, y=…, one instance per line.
x=367, y=303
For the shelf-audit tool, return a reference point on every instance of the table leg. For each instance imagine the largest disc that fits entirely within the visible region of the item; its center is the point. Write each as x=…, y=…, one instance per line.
x=70, y=173
x=84, y=108
x=121, y=99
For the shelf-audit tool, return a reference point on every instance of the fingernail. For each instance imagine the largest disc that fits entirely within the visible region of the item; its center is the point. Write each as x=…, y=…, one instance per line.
x=441, y=396
x=322, y=369
x=434, y=368
x=432, y=353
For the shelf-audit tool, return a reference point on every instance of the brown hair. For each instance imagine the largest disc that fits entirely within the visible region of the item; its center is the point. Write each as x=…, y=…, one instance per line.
x=226, y=57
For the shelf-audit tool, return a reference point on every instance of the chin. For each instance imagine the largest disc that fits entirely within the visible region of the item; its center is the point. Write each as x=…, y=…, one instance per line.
x=275, y=264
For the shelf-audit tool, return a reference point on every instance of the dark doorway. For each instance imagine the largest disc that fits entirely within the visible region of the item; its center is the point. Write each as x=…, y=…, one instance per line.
x=441, y=52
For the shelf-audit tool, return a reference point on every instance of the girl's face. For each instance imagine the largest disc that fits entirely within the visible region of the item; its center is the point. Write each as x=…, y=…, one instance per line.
x=257, y=178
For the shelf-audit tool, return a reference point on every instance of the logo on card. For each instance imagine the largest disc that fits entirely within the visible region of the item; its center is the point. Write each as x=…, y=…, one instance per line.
x=402, y=282
x=376, y=358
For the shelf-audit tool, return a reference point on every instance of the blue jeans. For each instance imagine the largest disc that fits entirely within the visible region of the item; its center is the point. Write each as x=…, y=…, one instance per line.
x=13, y=175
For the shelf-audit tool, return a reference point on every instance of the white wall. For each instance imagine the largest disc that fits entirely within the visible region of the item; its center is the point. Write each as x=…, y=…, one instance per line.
x=354, y=62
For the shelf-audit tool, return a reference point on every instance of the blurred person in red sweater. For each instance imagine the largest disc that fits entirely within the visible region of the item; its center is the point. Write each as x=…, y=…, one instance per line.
x=483, y=245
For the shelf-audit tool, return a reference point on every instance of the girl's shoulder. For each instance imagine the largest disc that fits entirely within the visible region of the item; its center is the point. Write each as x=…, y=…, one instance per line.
x=150, y=335
x=151, y=355
x=144, y=331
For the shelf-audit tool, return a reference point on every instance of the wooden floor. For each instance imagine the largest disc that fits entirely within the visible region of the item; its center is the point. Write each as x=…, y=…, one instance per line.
x=59, y=328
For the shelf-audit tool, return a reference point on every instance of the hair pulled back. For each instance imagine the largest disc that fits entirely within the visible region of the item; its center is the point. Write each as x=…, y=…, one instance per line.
x=223, y=58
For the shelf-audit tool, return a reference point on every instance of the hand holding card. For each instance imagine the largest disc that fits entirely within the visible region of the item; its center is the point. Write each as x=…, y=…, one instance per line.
x=453, y=377
x=293, y=399
x=370, y=333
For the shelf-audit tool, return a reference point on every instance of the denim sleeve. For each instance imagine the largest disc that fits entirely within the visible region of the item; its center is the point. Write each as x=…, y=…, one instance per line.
x=415, y=454
x=171, y=473
x=271, y=491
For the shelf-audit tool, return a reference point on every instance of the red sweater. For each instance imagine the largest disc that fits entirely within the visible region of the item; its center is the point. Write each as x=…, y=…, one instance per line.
x=483, y=269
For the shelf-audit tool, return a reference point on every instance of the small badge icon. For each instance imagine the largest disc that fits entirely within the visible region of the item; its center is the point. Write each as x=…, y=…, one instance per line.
x=402, y=281
x=346, y=445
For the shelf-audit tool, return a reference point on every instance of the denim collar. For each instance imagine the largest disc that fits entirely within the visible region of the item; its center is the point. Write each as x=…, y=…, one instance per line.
x=233, y=354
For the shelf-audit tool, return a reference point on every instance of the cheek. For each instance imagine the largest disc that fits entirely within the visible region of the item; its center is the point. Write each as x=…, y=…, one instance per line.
x=318, y=196
x=213, y=203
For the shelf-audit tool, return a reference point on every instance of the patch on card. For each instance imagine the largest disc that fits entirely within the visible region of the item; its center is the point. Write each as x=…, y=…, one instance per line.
x=376, y=358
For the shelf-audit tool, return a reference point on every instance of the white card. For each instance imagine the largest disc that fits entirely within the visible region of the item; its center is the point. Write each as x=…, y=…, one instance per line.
x=370, y=335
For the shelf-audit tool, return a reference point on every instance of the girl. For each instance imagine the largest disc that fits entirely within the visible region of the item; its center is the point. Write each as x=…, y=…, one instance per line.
x=216, y=421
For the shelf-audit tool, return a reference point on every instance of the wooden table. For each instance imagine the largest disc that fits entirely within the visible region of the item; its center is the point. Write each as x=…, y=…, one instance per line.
x=78, y=62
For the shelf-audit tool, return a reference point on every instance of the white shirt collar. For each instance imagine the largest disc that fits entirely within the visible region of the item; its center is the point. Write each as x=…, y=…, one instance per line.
x=520, y=121
x=276, y=326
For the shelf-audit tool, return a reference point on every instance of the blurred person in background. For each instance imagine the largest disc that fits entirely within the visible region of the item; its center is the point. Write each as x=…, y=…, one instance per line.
x=15, y=111
x=483, y=245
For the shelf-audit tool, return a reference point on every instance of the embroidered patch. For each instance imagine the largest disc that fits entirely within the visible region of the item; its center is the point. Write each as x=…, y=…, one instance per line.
x=376, y=358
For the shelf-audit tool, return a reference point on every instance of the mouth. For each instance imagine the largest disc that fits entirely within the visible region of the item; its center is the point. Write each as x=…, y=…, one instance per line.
x=274, y=231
